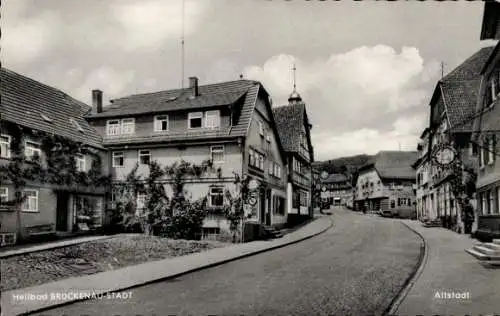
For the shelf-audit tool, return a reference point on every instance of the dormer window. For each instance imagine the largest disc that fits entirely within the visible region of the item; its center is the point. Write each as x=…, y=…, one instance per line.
x=113, y=127
x=195, y=120
x=46, y=118
x=120, y=127
x=212, y=119
x=161, y=123
x=78, y=126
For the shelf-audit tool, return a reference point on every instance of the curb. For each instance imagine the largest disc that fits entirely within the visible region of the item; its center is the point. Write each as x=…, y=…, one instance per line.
x=172, y=276
x=6, y=254
x=412, y=279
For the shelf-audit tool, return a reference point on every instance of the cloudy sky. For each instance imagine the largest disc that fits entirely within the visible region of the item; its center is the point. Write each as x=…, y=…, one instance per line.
x=365, y=69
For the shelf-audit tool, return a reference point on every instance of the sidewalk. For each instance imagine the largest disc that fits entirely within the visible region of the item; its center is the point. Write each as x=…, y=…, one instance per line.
x=448, y=268
x=145, y=273
x=19, y=250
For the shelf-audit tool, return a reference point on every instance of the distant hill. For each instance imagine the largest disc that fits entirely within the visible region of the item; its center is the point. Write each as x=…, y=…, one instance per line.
x=345, y=165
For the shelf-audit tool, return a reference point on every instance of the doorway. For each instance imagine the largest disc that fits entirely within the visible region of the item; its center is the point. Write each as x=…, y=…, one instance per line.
x=62, y=212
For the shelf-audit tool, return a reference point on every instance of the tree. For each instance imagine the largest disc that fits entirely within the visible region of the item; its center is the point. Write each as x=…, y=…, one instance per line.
x=234, y=209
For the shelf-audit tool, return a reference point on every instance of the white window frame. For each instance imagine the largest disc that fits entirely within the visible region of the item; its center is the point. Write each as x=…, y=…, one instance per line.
x=213, y=113
x=80, y=162
x=4, y=194
x=279, y=172
x=33, y=149
x=142, y=153
x=6, y=144
x=481, y=155
x=27, y=201
x=491, y=202
x=126, y=122
x=112, y=123
x=118, y=154
x=251, y=157
x=493, y=92
x=195, y=115
x=218, y=149
x=158, y=123
x=210, y=194
x=271, y=168
x=491, y=150
x=261, y=128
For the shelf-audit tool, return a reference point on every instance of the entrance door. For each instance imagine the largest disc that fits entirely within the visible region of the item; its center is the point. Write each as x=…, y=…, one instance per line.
x=62, y=212
x=262, y=207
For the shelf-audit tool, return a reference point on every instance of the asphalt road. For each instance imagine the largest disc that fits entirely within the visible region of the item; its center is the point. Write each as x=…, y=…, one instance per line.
x=355, y=268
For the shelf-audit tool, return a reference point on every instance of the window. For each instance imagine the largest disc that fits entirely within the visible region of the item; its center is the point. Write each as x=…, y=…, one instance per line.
x=5, y=146
x=251, y=157
x=212, y=119
x=46, y=118
x=498, y=200
x=278, y=205
x=393, y=204
x=80, y=163
x=30, y=204
x=140, y=203
x=271, y=168
x=216, y=197
x=277, y=170
x=217, y=154
x=144, y=157
x=113, y=127
x=210, y=232
x=483, y=203
x=78, y=126
x=481, y=156
x=31, y=149
x=128, y=126
x=118, y=159
x=491, y=207
x=161, y=123
x=493, y=92
x=195, y=120
x=491, y=149
x=4, y=194
x=261, y=129
x=261, y=162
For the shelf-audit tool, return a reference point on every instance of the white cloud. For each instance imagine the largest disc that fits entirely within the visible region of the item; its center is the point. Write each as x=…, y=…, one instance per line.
x=112, y=82
x=25, y=40
x=150, y=23
x=352, y=98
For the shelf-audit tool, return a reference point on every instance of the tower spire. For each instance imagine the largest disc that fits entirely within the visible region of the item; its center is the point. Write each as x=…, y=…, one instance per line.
x=182, y=48
x=295, y=96
x=294, y=69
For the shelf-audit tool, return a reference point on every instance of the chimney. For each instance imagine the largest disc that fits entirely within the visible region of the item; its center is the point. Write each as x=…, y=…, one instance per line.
x=193, y=84
x=97, y=100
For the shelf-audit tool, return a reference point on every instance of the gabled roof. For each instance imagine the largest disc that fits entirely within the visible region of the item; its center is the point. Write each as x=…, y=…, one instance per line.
x=289, y=121
x=241, y=94
x=460, y=100
x=459, y=90
x=394, y=164
x=471, y=68
x=32, y=104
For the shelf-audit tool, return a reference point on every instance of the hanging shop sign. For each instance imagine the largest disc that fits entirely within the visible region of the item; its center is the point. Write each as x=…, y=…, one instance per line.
x=324, y=175
x=253, y=184
x=444, y=155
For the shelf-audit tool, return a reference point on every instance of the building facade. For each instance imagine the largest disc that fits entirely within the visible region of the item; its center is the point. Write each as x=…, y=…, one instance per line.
x=336, y=190
x=294, y=130
x=386, y=186
x=52, y=163
x=487, y=125
x=451, y=108
x=231, y=124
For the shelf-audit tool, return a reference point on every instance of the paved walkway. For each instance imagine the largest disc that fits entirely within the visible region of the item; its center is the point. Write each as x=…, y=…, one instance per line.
x=19, y=250
x=448, y=268
x=125, y=278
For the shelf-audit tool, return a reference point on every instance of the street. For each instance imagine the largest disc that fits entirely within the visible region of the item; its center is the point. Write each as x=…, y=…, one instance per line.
x=355, y=268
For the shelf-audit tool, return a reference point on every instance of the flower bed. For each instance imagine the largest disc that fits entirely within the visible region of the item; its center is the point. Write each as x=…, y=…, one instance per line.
x=93, y=257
